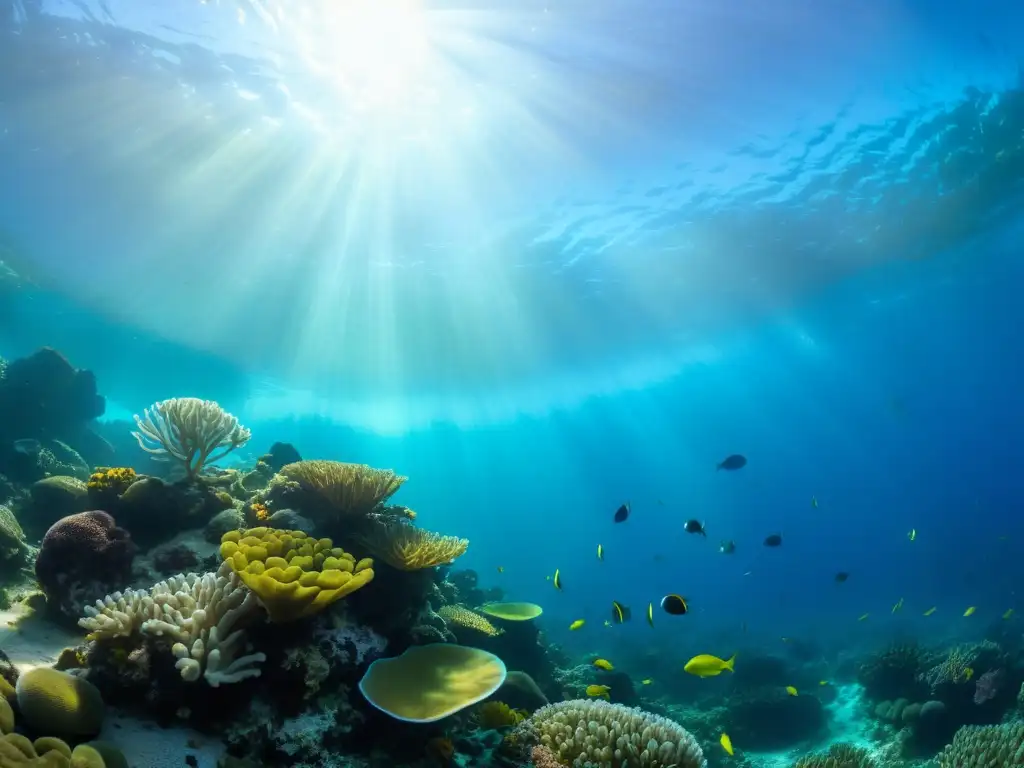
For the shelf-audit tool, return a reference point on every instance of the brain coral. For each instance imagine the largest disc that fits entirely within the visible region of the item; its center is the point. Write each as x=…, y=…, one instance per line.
x=58, y=703
x=984, y=746
x=604, y=735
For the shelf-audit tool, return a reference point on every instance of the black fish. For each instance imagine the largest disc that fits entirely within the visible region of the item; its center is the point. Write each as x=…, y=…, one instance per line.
x=674, y=605
x=842, y=576
x=695, y=526
x=620, y=612
x=734, y=462
x=775, y=540
x=621, y=513
x=727, y=547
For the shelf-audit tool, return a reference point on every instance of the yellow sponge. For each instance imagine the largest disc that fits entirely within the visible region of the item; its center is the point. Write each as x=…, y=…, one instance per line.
x=293, y=574
x=58, y=703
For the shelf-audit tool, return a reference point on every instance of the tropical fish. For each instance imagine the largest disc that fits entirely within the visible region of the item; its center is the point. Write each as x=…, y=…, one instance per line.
x=823, y=682
x=621, y=513
x=603, y=664
x=970, y=611
x=734, y=462
x=501, y=569
x=674, y=605
x=726, y=743
x=912, y=534
x=898, y=606
x=650, y=614
x=598, y=690
x=557, y=580
x=706, y=665
x=791, y=690
x=842, y=576
x=775, y=540
x=1008, y=613
x=930, y=611
x=646, y=681
x=577, y=624
x=727, y=547
x=695, y=526
x=620, y=612
x=814, y=501
x=600, y=552
x=863, y=617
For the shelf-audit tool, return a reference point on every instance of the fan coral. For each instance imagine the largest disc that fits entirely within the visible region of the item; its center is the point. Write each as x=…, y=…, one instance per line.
x=983, y=746
x=601, y=734
x=409, y=548
x=190, y=431
x=293, y=574
x=198, y=612
x=837, y=756
x=463, y=617
x=352, y=490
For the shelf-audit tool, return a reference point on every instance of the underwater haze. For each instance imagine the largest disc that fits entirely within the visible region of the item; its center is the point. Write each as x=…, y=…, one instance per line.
x=549, y=257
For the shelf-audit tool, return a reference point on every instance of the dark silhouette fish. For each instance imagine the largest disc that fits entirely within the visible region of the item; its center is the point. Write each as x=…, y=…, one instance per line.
x=695, y=526
x=775, y=540
x=842, y=576
x=622, y=513
x=734, y=462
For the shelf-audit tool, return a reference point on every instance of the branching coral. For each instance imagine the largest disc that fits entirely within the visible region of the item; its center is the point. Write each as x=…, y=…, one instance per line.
x=293, y=574
x=838, y=756
x=409, y=548
x=191, y=431
x=601, y=734
x=983, y=746
x=463, y=617
x=351, y=490
x=198, y=612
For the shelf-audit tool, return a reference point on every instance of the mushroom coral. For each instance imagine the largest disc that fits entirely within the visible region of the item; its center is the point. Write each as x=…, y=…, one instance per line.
x=293, y=574
x=430, y=682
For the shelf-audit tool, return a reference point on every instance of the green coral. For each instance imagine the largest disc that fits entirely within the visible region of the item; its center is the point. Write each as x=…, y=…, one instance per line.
x=840, y=755
x=12, y=537
x=976, y=746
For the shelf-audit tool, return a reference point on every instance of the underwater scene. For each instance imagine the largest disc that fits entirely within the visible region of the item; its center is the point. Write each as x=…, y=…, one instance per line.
x=535, y=384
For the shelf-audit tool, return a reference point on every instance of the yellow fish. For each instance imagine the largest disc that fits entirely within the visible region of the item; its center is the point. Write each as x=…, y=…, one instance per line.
x=970, y=611
x=791, y=690
x=968, y=673
x=650, y=614
x=863, y=617
x=1008, y=614
x=912, y=534
x=898, y=606
x=930, y=611
x=501, y=569
x=706, y=665
x=814, y=501
x=646, y=681
x=603, y=664
x=577, y=624
x=600, y=552
x=557, y=580
x=726, y=743
x=823, y=682
x=598, y=690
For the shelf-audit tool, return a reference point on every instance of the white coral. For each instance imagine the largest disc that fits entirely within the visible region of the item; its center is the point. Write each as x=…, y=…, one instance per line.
x=198, y=612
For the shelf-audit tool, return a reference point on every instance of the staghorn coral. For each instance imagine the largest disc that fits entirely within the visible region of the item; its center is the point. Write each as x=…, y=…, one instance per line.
x=293, y=574
x=463, y=617
x=409, y=548
x=190, y=431
x=597, y=733
x=198, y=613
x=350, y=490
x=991, y=746
x=837, y=756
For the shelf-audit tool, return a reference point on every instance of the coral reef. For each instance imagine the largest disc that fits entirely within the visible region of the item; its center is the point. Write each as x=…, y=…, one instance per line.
x=985, y=747
x=838, y=756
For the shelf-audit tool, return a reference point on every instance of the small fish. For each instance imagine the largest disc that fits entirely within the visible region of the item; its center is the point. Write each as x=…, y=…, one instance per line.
x=863, y=617
x=620, y=612
x=548, y=577
x=775, y=540
x=814, y=501
x=968, y=673
x=607, y=623
x=501, y=569
x=621, y=513
x=930, y=611
x=747, y=573
x=706, y=665
x=576, y=625
x=695, y=526
x=650, y=614
x=604, y=664
x=784, y=639
x=898, y=606
x=1008, y=614
x=727, y=547
x=734, y=462
x=970, y=611
x=646, y=681
x=598, y=690
x=661, y=503
x=600, y=552
x=823, y=682
x=557, y=580
x=674, y=605
x=912, y=534
x=726, y=743
x=792, y=691
x=842, y=576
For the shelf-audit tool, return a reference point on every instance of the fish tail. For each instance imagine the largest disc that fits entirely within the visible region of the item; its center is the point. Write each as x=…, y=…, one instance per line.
x=729, y=664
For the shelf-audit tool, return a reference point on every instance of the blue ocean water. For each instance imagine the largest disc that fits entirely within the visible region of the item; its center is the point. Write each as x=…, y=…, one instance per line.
x=580, y=254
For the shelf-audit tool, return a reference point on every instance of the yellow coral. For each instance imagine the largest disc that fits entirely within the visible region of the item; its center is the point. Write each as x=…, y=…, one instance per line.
x=113, y=480
x=293, y=574
x=409, y=548
x=493, y=715
x=259, y=510
x=463, y=617
x=351, y=489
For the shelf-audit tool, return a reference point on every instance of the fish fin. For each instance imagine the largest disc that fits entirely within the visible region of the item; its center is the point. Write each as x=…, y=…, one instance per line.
x=729, y=664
